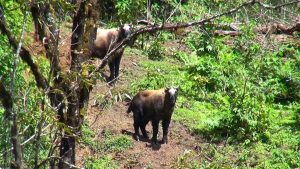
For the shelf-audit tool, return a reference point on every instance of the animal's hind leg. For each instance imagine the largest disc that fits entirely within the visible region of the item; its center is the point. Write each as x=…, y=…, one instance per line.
x=136, y=134
x=136, y=125
x=143, y=128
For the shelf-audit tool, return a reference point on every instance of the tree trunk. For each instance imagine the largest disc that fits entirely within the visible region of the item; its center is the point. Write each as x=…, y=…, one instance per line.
x=39, y=32
x=7, y=103
x=83, y=24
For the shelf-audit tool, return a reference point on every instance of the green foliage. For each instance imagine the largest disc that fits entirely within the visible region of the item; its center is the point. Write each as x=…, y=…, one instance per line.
x=201, y=41
x=130, y=10
x=88, y=135
x=103, y=162
x=159, y=74
x=155, y=51
x=184, y=161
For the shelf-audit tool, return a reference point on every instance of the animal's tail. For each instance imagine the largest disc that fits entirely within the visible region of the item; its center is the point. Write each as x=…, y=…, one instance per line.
x=129, y=103
x=129, y=107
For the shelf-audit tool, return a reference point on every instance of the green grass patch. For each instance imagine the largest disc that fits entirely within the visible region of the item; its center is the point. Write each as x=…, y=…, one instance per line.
x=100, y=163
x=87, y=135
x=115, y=143
x=110, y=143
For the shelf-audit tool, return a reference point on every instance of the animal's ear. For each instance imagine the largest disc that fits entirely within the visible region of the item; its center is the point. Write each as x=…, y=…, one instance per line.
x=167, y=89
x=177, y=88
x=120, y=26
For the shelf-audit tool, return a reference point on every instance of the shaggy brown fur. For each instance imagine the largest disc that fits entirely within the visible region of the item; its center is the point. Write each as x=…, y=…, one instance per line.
x=153, y=105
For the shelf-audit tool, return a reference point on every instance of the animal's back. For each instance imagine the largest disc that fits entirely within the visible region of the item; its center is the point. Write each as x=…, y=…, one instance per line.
x=150, y=100
x=103, y=40
x=150, y=95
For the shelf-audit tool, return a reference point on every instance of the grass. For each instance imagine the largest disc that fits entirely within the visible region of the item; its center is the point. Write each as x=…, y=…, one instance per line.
x=109, y=144
x=100, y=163
x=278, y=148
x=115, y=143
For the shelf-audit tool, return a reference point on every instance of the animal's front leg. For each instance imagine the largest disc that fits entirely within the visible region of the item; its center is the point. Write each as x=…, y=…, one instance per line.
x=155, y=130
x=117, y=66
x=165, y=125
x=103, y=64
x=112, y=72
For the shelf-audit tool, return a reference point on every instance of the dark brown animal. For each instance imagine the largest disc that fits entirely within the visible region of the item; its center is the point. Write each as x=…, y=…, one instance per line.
x=105, y=40
x=153, y=105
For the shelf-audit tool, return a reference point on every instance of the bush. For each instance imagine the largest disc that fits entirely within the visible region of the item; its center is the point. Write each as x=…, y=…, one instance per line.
x=156, y=51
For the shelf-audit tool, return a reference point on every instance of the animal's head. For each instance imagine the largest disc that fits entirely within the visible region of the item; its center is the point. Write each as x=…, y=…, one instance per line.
x=171, y=94
x=125, y=30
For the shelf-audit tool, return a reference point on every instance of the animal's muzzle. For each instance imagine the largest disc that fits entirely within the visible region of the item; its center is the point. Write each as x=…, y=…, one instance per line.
x=172, y=99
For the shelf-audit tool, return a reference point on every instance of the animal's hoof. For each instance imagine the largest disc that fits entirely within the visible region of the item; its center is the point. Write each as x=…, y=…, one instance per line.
x=146, y=137
x=154, y=141
x=164, y=141
x=136, y=137
x=111, y=80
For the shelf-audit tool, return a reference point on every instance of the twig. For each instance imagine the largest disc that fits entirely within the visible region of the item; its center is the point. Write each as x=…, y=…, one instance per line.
x=60, y=159
x=29, y=139
x=172, y=13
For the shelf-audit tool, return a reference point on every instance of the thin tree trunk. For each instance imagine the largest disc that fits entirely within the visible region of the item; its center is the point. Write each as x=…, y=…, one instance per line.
x=7, y=102
x=17, y=151
x=39, y=32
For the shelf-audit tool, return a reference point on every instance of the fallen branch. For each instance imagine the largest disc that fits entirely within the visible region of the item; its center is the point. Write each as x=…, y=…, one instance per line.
x=273, y=28
x=278, y=28
x=164, y=26
x=226, y=33
x=155, y=28
x=278, y=6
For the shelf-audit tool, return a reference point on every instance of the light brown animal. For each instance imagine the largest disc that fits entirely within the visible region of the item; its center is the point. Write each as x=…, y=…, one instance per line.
x=105, y=40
